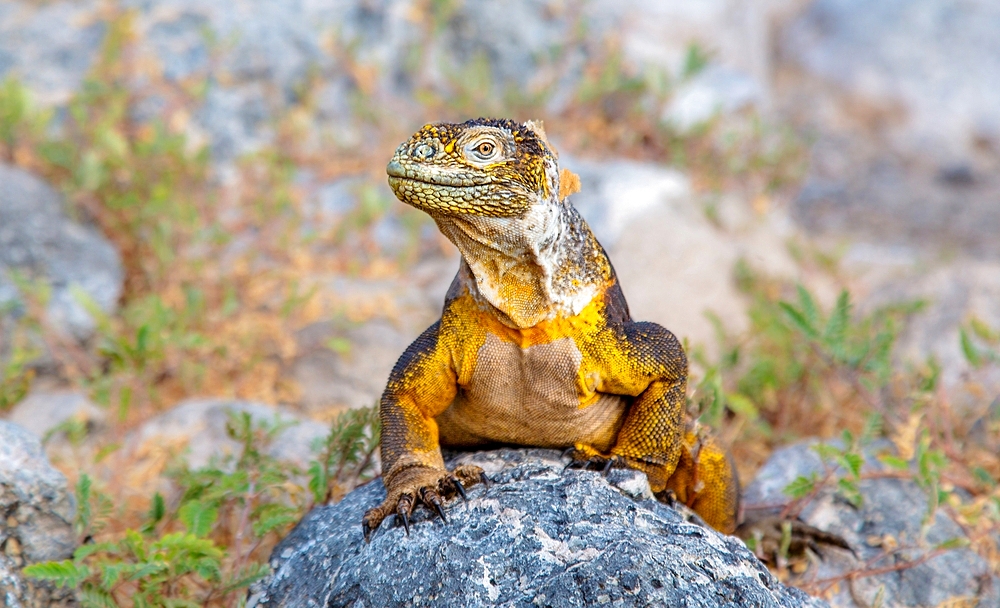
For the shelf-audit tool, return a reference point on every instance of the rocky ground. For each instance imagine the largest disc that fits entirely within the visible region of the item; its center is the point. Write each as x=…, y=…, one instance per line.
x=893, y=105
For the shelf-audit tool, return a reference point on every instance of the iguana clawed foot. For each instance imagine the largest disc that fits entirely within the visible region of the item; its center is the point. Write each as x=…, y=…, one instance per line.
x=431, y=487
x=587, y=458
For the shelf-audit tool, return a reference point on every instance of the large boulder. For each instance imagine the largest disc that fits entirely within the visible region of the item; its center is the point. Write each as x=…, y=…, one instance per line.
x=36, y=520
x=538, y=536
x=890, y=528
x=39, y=241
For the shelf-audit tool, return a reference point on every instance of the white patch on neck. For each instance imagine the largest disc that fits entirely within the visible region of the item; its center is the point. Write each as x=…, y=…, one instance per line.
x=533, y=246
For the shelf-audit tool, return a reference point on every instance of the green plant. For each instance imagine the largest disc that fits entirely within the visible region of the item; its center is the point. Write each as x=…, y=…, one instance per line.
x=980, y=343
x=804, y=362
x=846, y=459
x=695, y=60
x=16, y=373
x=196, y=550
x=345, y=456
x=21, y=122
x=207, y=543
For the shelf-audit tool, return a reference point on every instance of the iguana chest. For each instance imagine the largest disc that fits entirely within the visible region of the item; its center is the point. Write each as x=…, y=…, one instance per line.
x=537, y=395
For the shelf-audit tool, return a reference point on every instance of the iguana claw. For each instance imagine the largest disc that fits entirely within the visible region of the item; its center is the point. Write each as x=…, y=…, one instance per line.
x=587, y=458
x=402, y=513
x=430, y=497
x=461, y=489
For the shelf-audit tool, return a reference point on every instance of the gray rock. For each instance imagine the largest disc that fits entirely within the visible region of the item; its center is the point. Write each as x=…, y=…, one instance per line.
x=538, y=536
x=673, y=257
x=197, y=429
x=904, y=96
x=715, y=91
x=41, y=412
x=49, y=46
x=613, y=194
x=893, y=508
x=36, y=519
x=38, y=240
x=354, y=377
x=939, y=58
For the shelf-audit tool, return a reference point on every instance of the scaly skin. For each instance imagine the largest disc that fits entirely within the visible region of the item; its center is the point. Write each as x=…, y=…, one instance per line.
x=535, y=346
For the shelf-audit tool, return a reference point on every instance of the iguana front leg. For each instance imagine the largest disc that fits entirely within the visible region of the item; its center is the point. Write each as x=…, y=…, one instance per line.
x=421, y=386
x=647, y=362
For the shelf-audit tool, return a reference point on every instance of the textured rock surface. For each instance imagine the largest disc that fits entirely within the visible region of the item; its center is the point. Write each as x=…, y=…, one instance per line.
x=40, y=241
x=36, y=519
x=538, y=536
x=891, y=508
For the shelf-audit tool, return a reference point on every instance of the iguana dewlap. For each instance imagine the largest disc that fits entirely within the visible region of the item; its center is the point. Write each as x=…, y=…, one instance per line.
x=535, y=346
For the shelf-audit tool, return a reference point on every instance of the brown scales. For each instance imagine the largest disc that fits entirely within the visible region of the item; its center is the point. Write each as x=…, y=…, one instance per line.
x=535, y=345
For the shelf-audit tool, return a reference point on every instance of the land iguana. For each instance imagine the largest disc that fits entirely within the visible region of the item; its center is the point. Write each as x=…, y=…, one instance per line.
x=535, y=345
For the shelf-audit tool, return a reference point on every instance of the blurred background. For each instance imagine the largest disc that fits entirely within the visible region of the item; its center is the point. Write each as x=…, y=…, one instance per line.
x=195, y=221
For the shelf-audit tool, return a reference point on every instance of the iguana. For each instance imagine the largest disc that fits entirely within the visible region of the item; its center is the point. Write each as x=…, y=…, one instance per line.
x=535, y=345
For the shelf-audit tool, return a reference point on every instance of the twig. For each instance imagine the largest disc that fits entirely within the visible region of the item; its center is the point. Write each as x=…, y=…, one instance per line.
x=866, y=571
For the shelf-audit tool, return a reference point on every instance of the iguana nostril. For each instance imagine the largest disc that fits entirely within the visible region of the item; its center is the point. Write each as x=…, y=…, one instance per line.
x=425, y=151
x=395, y=169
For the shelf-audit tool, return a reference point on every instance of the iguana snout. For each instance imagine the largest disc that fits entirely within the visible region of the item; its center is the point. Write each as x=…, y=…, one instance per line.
x=493, y=168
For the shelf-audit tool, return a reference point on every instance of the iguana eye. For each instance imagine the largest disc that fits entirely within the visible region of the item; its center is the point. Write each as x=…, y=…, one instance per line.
x=424, y=151
x=484, y=150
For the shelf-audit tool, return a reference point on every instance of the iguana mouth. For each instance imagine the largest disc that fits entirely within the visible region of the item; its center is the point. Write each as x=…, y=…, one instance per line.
x=394, y=181
x=452, y=179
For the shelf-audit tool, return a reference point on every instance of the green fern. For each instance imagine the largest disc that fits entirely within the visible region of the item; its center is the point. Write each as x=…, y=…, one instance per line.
x=65, y=573
x=198, y=517
x=345, y=456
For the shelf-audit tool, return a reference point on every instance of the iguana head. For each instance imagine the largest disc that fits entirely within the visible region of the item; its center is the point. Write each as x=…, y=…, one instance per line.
x=485, y=167
x=493, y=188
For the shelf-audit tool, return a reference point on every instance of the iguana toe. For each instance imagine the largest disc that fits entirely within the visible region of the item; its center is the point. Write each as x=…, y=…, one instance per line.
x=587, y=458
